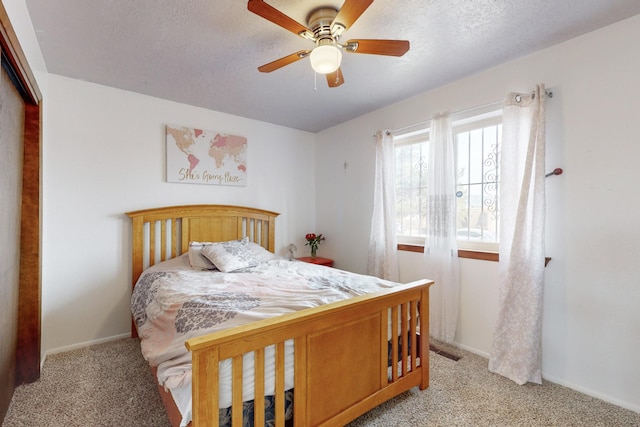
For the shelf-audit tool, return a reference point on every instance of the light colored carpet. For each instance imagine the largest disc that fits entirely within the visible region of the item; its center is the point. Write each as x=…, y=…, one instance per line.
x=107, y=384
x=110, y=385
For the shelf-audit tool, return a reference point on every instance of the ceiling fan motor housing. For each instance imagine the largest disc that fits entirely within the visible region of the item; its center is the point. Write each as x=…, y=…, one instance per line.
x=320, y=21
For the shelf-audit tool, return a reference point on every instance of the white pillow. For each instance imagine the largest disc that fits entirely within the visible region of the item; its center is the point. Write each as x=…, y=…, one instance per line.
x=196, y=259
x=230, y=256
x=259, y=252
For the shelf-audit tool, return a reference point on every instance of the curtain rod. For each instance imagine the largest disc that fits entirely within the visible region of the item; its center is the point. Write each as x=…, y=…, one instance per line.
x=464, y=111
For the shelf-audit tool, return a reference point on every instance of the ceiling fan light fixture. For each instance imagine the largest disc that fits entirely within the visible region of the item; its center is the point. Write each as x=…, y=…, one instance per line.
x=325, y=58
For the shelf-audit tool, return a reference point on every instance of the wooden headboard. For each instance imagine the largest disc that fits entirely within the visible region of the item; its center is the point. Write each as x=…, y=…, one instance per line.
x=163, y=233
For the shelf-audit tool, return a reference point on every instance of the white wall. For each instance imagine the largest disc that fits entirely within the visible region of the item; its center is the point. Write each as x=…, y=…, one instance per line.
x=104, y=155
x=591, y=318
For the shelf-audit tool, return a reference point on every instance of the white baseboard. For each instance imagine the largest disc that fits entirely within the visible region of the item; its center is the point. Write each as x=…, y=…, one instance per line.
x=84, y=344
x=626, y=405
x=471, y=350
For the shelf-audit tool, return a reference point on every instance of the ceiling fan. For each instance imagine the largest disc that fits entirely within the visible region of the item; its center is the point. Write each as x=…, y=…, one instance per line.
x=325, y=26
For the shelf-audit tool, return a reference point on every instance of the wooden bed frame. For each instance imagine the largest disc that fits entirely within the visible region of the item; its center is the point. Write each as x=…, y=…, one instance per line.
x=342, y=350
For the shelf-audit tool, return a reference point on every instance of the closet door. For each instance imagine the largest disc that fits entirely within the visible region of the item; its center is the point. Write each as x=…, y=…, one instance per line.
x=12, y=114
x=20, y=222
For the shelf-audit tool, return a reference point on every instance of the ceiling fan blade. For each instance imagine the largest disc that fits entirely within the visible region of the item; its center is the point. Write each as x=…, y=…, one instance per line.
x=378, y=47
x=279, y=63
x=350, y=12
x=270, y=13
x=335, y=79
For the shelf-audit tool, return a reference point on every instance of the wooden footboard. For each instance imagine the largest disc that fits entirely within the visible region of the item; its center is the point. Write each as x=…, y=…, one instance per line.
x=341, y=363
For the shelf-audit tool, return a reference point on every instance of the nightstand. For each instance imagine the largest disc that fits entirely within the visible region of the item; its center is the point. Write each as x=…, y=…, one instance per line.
x=317, y=260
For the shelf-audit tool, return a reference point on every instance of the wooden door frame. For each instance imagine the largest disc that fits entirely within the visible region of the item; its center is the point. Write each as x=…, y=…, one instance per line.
x=30, y=288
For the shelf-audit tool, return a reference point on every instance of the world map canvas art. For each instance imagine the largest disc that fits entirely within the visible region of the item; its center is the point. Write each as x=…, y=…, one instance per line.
x=198, y=156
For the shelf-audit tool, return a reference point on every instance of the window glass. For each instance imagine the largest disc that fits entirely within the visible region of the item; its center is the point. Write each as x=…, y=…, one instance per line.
x=411, y=186
x=477, y=186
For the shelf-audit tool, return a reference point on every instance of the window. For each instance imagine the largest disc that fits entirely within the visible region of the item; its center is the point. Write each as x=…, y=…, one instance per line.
x=411, y=185
x=477, y=148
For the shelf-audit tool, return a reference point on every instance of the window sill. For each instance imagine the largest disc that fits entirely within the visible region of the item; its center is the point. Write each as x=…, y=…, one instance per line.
x=484, y=256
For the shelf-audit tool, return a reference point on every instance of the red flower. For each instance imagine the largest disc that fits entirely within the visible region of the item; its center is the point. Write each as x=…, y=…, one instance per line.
x=314, y=239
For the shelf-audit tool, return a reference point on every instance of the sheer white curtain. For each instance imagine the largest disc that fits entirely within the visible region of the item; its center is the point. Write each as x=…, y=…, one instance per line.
x=383, y=248
x=517, y=349
x=441, y=249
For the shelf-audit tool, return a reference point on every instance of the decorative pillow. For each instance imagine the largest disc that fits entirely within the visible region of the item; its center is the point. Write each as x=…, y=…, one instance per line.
x=196, y=259
x=260, y=253
x=230, y=256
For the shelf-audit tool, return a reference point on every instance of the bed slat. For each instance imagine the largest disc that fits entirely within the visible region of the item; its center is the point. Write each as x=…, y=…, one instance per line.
x=184, y=232
x=300, y=413
x=174, y=237
x=236, y=387
x=404, y=336
x=258, y=386
x=280, y=385
x=394, y=343
x=206, y=365
x=152, y=243
x=384, y=340
x=414, y=337
x=163, y=240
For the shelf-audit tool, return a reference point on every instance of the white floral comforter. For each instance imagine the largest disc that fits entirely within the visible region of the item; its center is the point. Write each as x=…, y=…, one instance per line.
x=172, y=302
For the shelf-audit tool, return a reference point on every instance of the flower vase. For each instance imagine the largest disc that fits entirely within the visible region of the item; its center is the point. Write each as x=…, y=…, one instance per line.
x=313, y=251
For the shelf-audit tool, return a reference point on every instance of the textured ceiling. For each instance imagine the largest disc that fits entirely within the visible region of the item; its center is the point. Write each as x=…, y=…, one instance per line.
x=206, y=52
